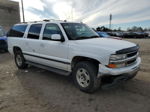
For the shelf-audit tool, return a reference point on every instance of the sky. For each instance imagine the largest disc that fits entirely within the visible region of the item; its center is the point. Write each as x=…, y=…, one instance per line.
x=125, y=13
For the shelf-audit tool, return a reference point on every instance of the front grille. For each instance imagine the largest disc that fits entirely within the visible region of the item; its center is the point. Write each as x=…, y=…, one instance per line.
x=128, y=63
x=132, y=58
x=132, y=54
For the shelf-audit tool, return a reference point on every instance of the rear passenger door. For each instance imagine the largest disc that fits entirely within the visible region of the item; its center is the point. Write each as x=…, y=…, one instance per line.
x=16, y=37
x=54, y=53
x=32, y=43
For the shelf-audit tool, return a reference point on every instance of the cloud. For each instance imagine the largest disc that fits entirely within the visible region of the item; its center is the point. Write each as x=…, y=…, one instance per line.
x=92, y=12
x=123, y=11
x=45, y=12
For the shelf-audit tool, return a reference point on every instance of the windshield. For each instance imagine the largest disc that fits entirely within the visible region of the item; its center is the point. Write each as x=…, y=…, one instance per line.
x=76, y=31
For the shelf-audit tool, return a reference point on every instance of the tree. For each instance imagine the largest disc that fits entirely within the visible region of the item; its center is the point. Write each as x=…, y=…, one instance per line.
x=135, y=29
x=140, y=29
x=103, y=28
x=115, y=30
x=145, y=29
x=98, y=29
x=119, y=29
x=94, y=29
x=129, y=29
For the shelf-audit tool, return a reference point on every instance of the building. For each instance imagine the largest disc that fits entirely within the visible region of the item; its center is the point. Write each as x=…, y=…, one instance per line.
x=9, y=13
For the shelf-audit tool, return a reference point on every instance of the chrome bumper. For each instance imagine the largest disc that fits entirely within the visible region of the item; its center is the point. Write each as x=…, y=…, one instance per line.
x=103, y=70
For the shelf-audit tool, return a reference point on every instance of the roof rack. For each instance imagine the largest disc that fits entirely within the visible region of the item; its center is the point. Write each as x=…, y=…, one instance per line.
x=30, y=22
x=45, y=20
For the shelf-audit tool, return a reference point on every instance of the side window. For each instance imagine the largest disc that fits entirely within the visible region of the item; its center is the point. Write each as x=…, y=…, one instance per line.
x=17, y=31
x=34, y=31
x=51, y=29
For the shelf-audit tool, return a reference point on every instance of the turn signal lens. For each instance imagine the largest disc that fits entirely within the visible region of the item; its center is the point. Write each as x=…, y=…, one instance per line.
x=116, y=65
x=112, y=66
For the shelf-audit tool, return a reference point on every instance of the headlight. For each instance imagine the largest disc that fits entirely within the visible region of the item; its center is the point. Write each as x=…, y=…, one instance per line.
x=115, y=57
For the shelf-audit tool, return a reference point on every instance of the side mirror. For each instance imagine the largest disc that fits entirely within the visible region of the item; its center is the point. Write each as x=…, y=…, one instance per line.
x=56, y=37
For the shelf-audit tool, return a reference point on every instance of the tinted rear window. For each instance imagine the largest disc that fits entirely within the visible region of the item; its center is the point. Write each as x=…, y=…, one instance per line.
x=34, y=31
x=17, y=31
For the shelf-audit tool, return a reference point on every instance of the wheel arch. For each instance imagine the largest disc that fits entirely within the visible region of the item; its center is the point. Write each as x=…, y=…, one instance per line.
x=77, y=59
x=16, y=48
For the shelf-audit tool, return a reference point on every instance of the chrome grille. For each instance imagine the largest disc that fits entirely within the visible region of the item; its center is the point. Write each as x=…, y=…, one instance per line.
x=132, y=54
x=131, y=62
x=130, y=59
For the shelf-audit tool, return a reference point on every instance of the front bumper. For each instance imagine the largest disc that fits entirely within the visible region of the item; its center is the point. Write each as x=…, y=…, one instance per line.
x=103, y=70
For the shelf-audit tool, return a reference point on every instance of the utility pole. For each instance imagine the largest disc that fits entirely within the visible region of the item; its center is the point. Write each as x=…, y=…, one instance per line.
x=72, y=13
x=110, y=18
x=23, y=11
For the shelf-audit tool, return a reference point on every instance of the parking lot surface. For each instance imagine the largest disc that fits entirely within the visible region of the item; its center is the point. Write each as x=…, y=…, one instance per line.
x=38, y=90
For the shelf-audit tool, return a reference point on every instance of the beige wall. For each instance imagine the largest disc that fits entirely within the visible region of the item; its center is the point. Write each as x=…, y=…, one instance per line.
x=9, y=14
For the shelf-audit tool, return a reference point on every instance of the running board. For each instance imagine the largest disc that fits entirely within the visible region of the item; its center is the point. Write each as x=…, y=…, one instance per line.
x=55, y=70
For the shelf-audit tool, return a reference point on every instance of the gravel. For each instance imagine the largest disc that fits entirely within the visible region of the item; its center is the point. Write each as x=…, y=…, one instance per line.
x=38, y=90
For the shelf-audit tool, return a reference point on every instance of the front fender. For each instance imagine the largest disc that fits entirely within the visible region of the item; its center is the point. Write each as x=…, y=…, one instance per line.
x=100, y=58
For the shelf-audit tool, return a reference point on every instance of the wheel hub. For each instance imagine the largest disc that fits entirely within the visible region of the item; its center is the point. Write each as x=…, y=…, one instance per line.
x=19, y=60
x=83, y=77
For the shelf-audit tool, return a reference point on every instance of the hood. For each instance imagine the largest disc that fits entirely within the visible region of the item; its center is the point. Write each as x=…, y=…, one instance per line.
x=106, y=43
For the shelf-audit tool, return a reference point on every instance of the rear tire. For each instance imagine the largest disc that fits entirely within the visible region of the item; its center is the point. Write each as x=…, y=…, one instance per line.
x=20, y=60
x=85, y=77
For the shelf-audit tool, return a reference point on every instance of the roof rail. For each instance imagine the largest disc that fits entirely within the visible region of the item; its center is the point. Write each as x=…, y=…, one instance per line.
x=31, y=22
x=45, y=20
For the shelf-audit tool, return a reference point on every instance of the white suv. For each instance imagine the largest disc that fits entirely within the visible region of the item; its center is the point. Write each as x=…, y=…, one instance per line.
x=73, y=49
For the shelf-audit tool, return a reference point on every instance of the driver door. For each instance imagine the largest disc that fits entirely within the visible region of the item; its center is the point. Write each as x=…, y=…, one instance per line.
x=54, y=53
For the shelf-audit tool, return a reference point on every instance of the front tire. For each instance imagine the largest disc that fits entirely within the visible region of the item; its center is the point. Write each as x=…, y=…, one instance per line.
x=19, y=60
x=85, y=77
